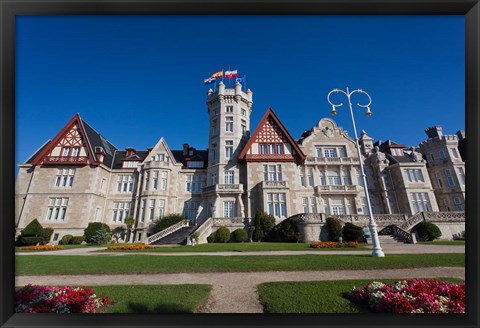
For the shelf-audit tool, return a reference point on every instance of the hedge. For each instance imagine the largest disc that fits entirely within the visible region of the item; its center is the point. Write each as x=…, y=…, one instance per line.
x=428, y=231
x=240, y=235
x=91, y=231
x=334, y=228
x=65, y=240
x=351, y=232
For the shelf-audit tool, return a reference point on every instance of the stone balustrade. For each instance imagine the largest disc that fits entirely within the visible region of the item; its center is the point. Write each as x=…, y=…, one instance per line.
x=167, y=231
x=274, y=184
x=224, y=188
x=332, y=160
x=228, y=222
x=337, y=188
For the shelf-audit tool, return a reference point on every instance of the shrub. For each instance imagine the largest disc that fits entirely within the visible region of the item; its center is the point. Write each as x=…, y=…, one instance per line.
x=65, y=240
x=31, y=240
x=92, y=229
x=462, y=235
x=428, y=231
x=102, y=236
x=332, y=244
x=34, y=234
x=211, y=238
x=51, y=299
x=334, y=228
x=76, y=240
x=34, y=228
x=167, y=221
x=222, y=235
x=351, y=232
x=264, y=223
x=42, y=248
x=240, y=235
x=287, y=232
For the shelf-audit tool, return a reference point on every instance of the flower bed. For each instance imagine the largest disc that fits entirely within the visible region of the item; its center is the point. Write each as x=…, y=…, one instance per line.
x=42, y=248
x=51, y=299
x=132, y=247
x=411, y=296
x=332, y=244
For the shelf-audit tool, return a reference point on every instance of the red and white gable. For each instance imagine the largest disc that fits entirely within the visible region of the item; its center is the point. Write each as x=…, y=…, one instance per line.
x=70, y=146
x=271, y=142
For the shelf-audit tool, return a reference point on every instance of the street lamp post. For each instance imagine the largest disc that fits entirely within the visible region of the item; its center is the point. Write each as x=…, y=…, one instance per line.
x=377, y=249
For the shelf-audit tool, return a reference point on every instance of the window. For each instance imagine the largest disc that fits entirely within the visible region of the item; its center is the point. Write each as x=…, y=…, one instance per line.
x=190, y=210
x=57, y=209
x=333, y=178
x=66, y=151
x=64, y=178
x=263, y=149
x=337, y=207
x=279, y=149
x=310, y=177
x=396, y=151
x=214, y=152
x=228, y=149
x=229, y=109
x=277, y=205
x=194, y=183
x=441, y=154
x=272, y=173
x=125, y=183
x=120, y=211
x=450, y=180
x=244, y=112
x=229, y=177
x=461, y=174
x=163, y=182
x=414, y=175
x=102, y=184
x=214, y=130
x=147, y=180
x=302, y=177
x=129, y=164
x=144, y=208
x=195, y=164
x=75, y=151
x=155, y=180
x=152, y=209
x=271, y=148
x=458, y=203
x=346, y=178
x=359, y=177
x=330, y=152
x=309, y=207
x=213, y=179
x=228, y=209
x=420, y=202
x=432, y=156
x=244, y=127
x=229, y=124
x=161, y=208
x=454, y=152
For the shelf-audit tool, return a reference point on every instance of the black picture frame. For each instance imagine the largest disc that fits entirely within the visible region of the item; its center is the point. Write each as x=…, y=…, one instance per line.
x=10, y=8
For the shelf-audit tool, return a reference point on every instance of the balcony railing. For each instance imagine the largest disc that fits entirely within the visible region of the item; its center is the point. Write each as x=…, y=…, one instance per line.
x=332, y=160
x=224, y=188
x=81, y=160
x=334, y=188
x=274, y=184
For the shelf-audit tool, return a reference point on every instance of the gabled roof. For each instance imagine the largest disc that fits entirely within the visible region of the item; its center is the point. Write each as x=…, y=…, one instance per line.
x=200, y=155
x=91, y=138
x=298, y=155
x=385, y=147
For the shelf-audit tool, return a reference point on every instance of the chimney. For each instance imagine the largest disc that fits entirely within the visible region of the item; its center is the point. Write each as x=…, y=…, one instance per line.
x=461, y=135
x=130, y=151
x=185, y=149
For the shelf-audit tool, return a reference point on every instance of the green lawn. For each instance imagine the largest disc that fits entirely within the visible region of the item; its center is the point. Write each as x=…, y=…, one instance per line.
x=105, y=264
x=154, y=298
x=314, y=296
x=243, y=247
x=444, y=242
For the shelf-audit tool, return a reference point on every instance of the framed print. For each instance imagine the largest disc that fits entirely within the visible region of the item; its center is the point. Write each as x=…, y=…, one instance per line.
x=239, y=163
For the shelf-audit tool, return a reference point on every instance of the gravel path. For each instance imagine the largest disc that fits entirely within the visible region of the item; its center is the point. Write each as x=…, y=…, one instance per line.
x=236, y=292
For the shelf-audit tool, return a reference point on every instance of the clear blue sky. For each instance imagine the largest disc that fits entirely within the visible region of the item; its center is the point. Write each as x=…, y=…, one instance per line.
x=138, y=78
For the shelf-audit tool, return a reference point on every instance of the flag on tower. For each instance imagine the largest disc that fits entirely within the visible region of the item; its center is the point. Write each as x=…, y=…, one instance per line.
x=240, y=79
x=208, y=81
x=217, y=74
x=231, y=74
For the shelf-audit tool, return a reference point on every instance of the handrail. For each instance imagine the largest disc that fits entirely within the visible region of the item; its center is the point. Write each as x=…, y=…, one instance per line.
x=165, y=232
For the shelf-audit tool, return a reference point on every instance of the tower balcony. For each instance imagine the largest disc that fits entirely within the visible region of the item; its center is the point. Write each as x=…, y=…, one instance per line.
x=223, y=189
x=274, y=185
x=77, y=160
x=334, y=189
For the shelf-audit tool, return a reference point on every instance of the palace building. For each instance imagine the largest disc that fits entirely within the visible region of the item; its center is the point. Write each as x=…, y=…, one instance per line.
x=79, y=177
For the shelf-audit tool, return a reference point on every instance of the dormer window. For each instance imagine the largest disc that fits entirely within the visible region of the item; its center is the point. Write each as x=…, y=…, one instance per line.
x=130, y=164
x=396, y=151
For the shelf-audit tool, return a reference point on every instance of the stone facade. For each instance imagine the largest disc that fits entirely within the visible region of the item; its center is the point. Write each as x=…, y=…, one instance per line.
x=79, y=177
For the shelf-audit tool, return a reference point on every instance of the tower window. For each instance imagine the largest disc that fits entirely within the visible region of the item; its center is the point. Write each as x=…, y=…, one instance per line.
x=229, y=109
x=228, y=149
x=229, y=124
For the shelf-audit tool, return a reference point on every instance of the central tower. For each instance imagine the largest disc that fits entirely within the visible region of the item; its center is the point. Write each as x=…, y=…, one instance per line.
x=229, y=112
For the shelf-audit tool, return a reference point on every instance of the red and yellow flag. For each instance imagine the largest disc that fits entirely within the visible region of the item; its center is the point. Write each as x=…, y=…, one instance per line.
x=217, y=74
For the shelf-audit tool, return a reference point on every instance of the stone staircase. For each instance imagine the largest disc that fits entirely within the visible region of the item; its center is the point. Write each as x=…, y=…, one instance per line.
x=178, y=237
x=387, y=239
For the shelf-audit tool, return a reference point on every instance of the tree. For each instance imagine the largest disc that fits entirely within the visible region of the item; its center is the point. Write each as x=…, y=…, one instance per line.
x=34, y=234
x=118, y=233
x=129, y=221
x=92, y=229
x=264, y=223
x=334, y=227
x=101, y=236
x=352, y=232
